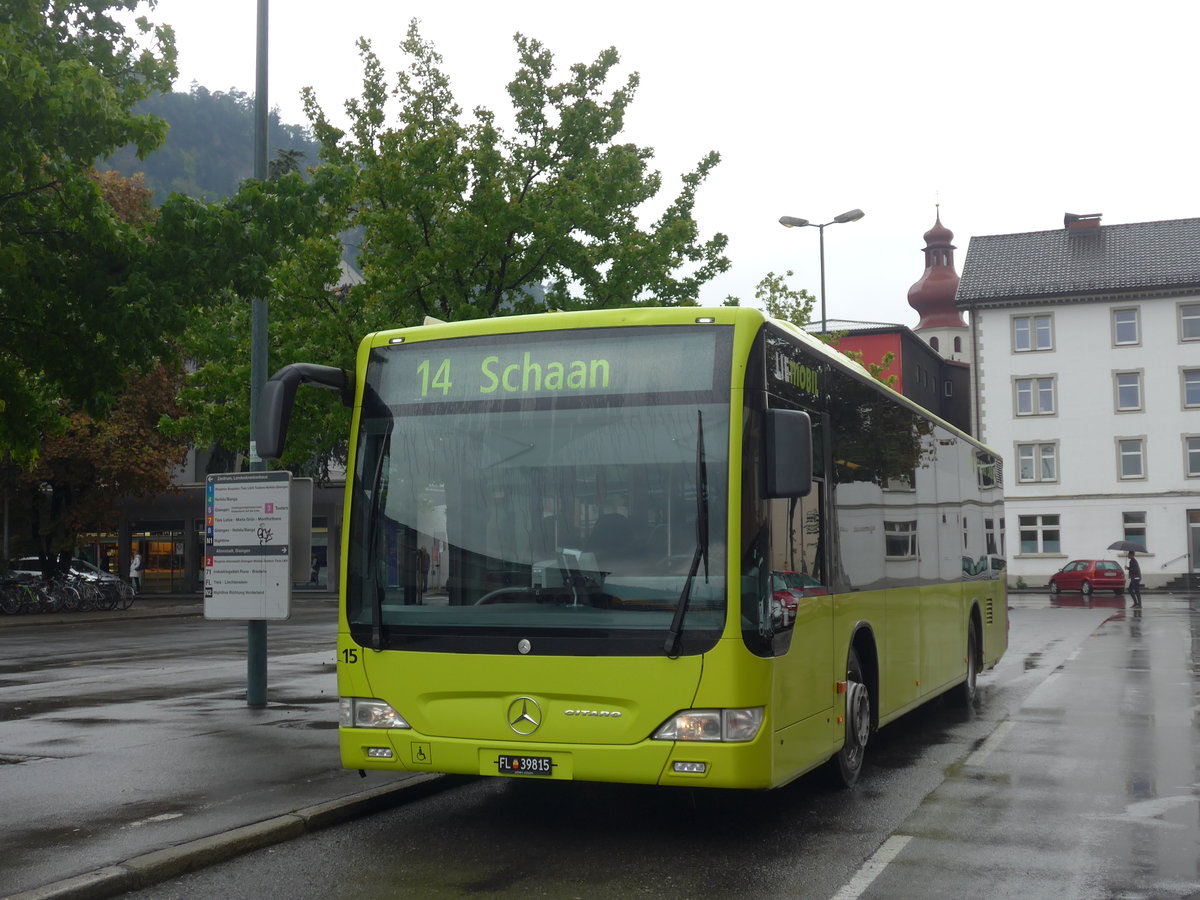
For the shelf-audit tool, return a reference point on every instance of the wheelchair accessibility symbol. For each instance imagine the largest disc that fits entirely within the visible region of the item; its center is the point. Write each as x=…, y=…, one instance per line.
x=421, y=754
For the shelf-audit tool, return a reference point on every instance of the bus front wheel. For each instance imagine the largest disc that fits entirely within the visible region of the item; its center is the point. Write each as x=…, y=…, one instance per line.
x=847, y=764
x=964, y=694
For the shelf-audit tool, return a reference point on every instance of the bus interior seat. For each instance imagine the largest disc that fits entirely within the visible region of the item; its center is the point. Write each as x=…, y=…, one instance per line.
x=611, y=541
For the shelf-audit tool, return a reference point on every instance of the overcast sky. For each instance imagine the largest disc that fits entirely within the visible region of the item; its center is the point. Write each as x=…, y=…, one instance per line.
x=1008, y=114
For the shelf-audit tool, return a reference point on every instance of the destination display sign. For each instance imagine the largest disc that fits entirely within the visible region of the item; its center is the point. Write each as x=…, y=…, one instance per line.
x=247, y=536
x=608, y=361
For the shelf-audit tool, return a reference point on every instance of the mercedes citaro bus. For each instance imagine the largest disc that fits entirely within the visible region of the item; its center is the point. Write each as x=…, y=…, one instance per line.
x=559, y=538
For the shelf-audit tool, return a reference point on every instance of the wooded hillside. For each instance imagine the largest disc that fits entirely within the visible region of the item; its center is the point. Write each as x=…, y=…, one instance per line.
x=209, y=149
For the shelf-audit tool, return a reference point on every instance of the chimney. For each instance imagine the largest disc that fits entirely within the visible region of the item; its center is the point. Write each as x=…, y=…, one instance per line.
x=1081, y=222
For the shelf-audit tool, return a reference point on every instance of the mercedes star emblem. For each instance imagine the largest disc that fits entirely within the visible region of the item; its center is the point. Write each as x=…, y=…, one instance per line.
x=524, y=715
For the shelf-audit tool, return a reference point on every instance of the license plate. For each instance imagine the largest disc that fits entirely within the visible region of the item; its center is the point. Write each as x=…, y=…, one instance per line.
x=525, y=765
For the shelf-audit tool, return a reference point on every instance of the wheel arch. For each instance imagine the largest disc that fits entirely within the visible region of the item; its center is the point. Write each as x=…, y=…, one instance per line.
x=865, y=647
x=976, y=617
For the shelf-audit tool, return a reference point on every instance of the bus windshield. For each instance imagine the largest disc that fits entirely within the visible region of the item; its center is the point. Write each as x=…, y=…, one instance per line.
x=568, y=518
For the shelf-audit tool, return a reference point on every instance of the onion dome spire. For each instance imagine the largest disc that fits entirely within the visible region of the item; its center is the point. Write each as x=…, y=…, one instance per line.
x=933, y=294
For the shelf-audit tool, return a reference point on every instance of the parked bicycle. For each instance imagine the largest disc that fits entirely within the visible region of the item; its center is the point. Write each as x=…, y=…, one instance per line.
x=19, y=595
x=81, y=588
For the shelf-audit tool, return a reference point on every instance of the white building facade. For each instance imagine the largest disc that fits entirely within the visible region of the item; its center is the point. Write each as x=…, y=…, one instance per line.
x=1087, y=382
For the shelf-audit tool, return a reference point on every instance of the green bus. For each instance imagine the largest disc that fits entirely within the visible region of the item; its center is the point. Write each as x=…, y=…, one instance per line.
x=681, y=546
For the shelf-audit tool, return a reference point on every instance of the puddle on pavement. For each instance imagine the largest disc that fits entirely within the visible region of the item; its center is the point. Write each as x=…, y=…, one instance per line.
x=25, y=709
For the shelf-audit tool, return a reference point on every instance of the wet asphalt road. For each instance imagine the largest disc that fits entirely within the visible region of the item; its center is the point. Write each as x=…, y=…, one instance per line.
x=1076, y=775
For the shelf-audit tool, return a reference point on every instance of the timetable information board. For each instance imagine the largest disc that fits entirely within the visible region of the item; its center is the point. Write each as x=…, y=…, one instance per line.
x=247, y=536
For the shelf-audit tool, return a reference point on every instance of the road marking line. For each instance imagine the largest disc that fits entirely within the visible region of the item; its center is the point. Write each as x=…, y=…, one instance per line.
x=164, y=817
x=993, y=741
x=873, y=867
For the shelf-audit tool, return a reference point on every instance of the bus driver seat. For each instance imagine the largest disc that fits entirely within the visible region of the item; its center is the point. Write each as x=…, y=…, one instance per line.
x=611, y=541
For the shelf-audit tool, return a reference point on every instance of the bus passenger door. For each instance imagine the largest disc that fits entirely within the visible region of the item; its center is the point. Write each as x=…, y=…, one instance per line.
x=803, y=685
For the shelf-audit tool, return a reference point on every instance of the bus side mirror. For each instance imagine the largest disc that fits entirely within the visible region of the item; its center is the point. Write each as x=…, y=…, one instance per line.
x=789, y=462
x=279, y=395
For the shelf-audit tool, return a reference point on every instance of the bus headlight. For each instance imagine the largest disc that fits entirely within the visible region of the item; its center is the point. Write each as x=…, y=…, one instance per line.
x=355, y=712
x=712, y=725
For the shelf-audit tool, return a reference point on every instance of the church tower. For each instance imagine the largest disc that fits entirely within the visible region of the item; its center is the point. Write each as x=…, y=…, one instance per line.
x=941, y=325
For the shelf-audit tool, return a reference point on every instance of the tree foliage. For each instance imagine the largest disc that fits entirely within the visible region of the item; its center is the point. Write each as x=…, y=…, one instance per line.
x=97, y=286
x=782, y=302
x=456, y=220
x=69, y=77
x=81, y=474
x=310, y=318
x=462, y=220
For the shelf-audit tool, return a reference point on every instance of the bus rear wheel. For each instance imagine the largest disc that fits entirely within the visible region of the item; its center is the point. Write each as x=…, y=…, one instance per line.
x=847, y=765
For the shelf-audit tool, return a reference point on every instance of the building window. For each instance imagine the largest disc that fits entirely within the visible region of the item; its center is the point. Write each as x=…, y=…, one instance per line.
x=1039, y=534
x=1129, y=391
x=1037, y=462
x=1135, y=528
x=900, y=539
x=988, y=472
x=1126, y=330
x=1032, y=333
x=1035, y=396
x=958, y=345
x=1191, y=387
x=933, y=342
x=1131, y=458
x=1189, y=322
x=1191, y=448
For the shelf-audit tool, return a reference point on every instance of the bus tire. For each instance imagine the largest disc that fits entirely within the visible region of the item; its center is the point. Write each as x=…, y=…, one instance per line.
x=963, y=695
x=846, y=766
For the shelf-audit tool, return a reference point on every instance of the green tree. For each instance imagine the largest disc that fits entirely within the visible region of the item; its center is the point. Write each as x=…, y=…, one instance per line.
x=455, y=220
x=278, y=241
x=463, y=221
x=284, y=163
x=782, y=302
x=69, y=77
x=80, y=474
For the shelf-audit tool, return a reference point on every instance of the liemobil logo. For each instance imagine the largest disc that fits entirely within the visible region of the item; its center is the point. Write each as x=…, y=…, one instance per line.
x=601, y=713
x=797, y=375
x=524, y=715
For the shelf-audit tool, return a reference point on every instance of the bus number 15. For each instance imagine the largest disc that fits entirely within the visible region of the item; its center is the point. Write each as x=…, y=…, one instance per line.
x=441, y=378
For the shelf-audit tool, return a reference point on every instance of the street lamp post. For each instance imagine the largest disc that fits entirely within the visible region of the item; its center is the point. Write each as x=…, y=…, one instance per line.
x=791, y=222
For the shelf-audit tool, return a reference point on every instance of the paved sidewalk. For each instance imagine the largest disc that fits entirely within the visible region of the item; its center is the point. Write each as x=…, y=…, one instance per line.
x=214, y=778
x=155, y=866
x=145, y=606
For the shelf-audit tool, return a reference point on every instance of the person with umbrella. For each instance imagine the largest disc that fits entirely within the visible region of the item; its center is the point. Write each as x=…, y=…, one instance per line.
x=1134, y=569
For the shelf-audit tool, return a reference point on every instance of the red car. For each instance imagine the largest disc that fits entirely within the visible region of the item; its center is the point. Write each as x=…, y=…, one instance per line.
x=1087, y=575
x=804, y=585
x=784, y=600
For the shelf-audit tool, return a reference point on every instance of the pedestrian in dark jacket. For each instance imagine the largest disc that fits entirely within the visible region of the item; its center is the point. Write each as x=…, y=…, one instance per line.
x=1135, y=579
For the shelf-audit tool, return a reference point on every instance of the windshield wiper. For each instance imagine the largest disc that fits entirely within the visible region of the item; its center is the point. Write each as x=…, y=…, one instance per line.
x=671, y=646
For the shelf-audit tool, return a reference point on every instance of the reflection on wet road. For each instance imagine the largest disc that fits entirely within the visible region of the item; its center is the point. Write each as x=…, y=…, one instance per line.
x=1091, y=787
